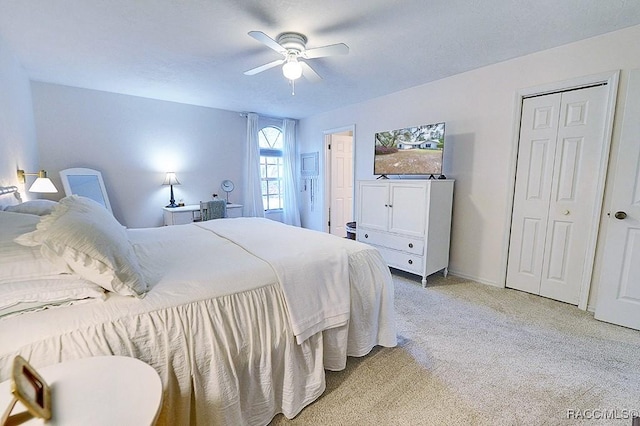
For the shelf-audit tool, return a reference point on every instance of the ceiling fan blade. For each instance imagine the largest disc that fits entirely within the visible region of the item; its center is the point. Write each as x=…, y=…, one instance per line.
x=331, y=50
x=267, y=41
x=309, y=73
x=264, y=67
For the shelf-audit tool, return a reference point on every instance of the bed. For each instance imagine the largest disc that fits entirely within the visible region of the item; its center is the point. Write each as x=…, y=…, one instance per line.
x=240, y=317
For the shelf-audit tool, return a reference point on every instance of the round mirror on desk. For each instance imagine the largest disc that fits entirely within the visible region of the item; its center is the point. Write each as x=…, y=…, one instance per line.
x=227, y=186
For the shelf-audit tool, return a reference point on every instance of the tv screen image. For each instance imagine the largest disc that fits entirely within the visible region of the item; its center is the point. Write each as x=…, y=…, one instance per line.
x=411, y=151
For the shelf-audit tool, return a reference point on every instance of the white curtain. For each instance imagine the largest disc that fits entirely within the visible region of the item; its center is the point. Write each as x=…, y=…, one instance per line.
x=253, y=193
x=291, y=214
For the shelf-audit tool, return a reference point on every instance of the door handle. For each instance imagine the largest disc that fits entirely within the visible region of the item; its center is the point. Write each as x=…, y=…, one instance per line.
x=620, y=215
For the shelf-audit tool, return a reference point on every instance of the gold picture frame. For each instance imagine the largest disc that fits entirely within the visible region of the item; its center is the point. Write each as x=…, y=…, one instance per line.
x=28, y=387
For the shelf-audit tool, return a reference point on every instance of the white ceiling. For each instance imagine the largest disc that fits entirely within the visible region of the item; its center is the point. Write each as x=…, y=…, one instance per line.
x=195, y=51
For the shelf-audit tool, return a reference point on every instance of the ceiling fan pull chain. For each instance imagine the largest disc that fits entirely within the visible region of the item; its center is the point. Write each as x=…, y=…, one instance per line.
x=293, y=87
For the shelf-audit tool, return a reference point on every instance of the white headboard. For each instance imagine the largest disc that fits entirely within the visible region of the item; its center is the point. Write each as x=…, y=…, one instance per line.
x=9, y=196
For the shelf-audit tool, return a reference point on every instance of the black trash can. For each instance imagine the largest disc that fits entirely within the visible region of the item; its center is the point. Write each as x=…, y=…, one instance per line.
x=351, y=230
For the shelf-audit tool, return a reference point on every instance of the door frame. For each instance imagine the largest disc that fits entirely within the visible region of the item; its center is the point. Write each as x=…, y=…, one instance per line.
x=327, y=170
x=611, y=78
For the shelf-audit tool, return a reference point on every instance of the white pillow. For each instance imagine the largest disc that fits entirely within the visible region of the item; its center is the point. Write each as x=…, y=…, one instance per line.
x=83, y=235
x=37, y=207
x=34, y=295
x=17, y=262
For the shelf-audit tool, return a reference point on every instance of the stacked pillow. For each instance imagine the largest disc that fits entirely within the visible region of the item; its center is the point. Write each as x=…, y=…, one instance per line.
x=73, y=254
x=30, y=282
x=36, y=207
x=84, y=237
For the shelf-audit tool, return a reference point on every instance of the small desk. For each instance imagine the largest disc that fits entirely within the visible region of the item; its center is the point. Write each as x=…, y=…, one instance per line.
x=102, y=390
x=191, y=212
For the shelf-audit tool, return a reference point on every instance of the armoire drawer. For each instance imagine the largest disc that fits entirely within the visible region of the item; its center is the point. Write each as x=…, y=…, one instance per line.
x=392, y=241
x=401, y=260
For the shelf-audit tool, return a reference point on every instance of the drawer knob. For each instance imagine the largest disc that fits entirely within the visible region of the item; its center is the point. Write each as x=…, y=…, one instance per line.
x=410, y=245
x=366, y=235
x=410, y=262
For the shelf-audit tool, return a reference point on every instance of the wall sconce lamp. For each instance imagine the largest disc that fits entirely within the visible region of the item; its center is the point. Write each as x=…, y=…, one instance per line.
x=171, y=179
x=42, y=183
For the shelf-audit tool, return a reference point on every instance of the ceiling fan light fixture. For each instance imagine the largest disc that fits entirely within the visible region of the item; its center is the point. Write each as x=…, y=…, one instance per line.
x=293, y=46
x=292, y=69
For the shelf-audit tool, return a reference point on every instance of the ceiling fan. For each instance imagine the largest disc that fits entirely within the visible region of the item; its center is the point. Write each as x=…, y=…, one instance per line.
x=293, y=47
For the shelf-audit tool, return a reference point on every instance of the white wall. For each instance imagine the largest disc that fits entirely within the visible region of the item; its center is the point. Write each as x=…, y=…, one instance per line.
x=478, y=108
x=134, y=141
x=18, y=148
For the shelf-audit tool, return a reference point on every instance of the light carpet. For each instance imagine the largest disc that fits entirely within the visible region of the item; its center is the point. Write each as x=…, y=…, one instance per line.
x=472, y=354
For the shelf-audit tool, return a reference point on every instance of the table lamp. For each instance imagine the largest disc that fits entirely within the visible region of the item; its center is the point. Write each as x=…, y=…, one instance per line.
x=171, y=179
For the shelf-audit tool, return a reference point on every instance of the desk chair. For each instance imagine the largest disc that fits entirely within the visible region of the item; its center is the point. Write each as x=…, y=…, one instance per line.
x=215, y=209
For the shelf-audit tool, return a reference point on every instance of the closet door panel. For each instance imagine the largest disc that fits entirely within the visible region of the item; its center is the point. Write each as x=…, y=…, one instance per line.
x=536, y=154
x=573, y=194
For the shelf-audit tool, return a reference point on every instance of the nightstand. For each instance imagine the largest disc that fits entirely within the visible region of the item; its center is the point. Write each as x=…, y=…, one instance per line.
x=102, y=390
x=191, y=212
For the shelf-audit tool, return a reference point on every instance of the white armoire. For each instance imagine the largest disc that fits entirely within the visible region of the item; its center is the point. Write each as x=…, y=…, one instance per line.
x=408, y=221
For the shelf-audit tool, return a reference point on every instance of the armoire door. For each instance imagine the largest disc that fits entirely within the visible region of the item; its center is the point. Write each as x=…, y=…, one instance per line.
x=561, y=136
x=407, y=209
x=374, y=205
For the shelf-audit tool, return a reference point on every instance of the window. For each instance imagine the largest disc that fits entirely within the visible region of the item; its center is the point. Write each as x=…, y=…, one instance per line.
x=271, y=168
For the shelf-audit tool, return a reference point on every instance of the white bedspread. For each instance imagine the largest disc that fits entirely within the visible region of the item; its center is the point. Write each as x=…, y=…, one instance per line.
x=215, y=326
x=312, y=268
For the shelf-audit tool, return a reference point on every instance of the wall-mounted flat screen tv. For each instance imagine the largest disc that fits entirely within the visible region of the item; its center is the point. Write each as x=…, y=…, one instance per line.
x=411, y=151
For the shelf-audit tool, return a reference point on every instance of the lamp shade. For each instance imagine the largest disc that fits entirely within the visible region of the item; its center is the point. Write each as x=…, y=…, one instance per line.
x=44, y=185
x=171, y=179
x=292, y=69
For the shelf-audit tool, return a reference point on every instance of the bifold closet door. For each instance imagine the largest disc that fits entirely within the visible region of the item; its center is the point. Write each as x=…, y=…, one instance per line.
x=560, y=149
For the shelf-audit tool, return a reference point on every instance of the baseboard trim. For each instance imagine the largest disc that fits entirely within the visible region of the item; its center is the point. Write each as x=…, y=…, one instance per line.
x=480, y=280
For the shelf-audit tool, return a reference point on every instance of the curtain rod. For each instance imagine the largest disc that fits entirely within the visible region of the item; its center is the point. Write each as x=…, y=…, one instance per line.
x=245, y=114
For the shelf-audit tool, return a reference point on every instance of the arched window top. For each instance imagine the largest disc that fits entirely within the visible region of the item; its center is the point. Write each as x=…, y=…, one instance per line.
x=271, y=142
x=270, y=137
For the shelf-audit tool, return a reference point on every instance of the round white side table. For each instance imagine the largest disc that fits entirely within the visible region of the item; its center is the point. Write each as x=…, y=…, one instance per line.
x=103, y=390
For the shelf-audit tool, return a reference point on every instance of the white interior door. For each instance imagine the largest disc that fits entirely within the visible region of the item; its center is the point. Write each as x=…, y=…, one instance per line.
x=573, y=193
x=341, y=207
x=536, y=154
x=619, y=290
x=554, y=207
